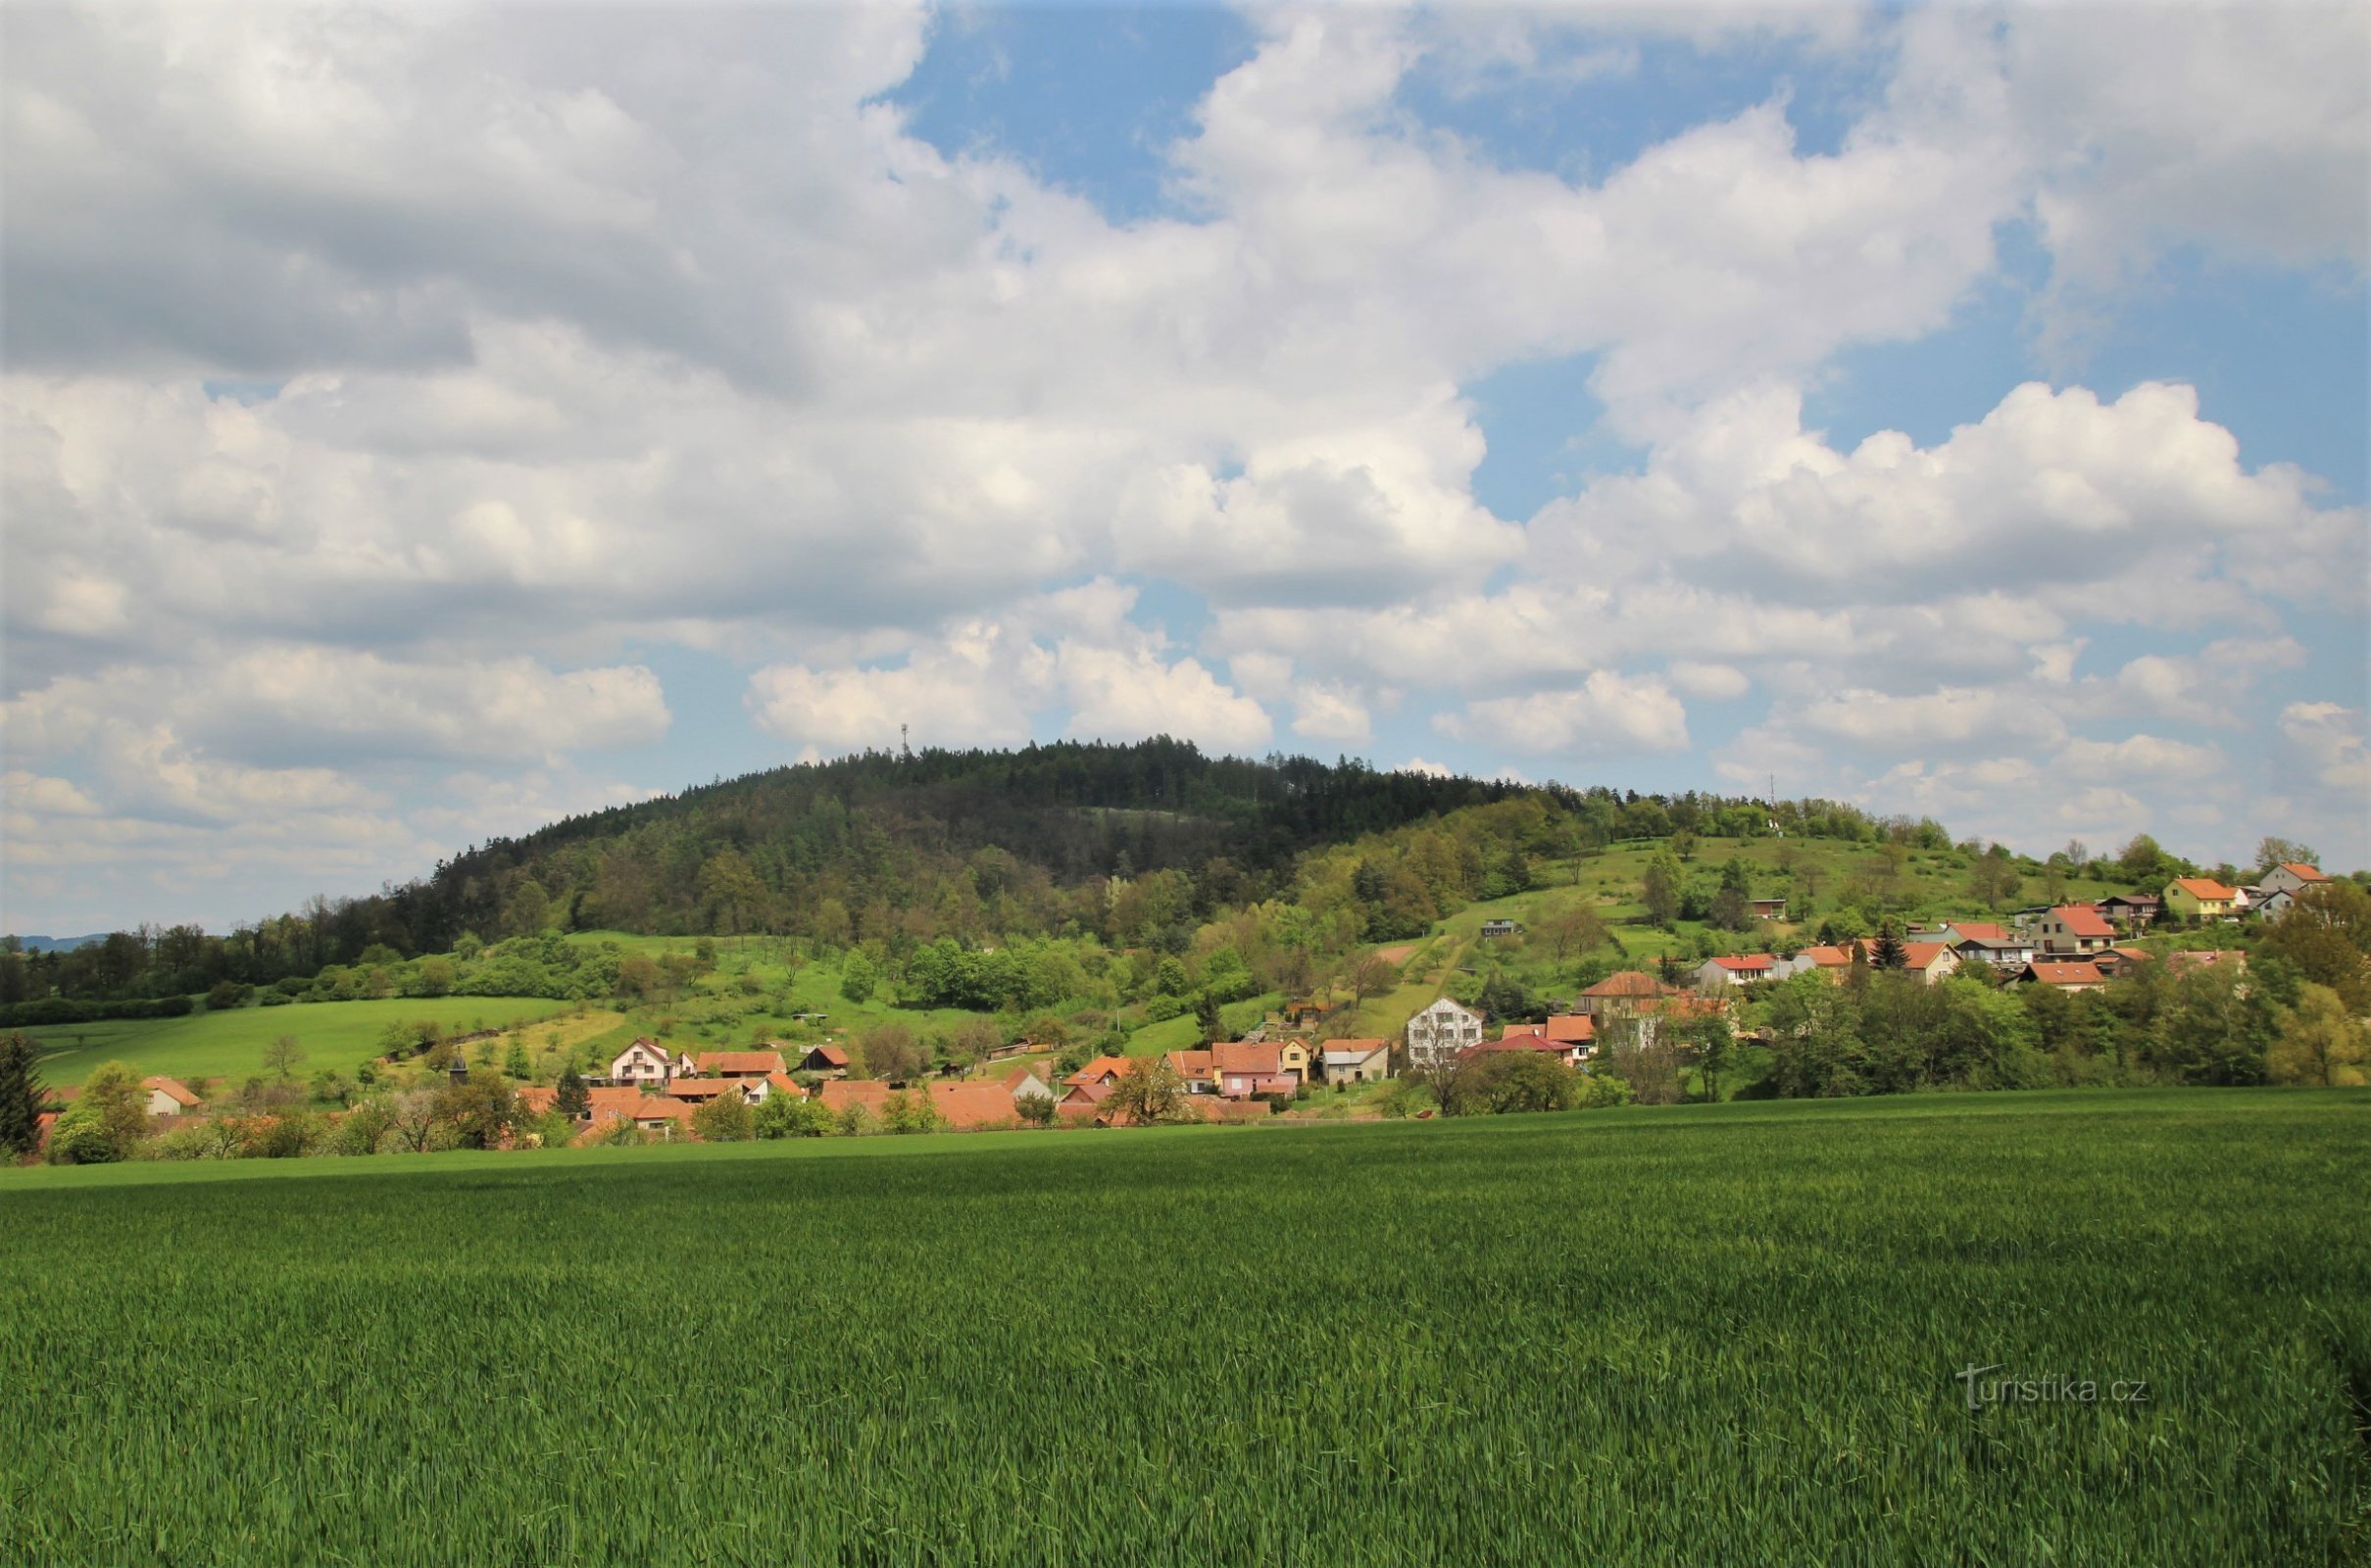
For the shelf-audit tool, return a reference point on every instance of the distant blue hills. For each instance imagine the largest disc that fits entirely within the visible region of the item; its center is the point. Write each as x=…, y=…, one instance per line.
x=59, y=943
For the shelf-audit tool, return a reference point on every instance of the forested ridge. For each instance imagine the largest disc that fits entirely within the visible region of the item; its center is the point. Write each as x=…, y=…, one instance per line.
x=1128, y=843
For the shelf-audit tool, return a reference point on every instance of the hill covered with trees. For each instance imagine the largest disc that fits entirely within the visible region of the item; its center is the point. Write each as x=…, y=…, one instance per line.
x=1135, y=846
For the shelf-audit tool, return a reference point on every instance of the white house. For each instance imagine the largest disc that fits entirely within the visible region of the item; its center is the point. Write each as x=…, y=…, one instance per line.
x=1737, y=971
x=1020, y=1082
x=169, y=1097
x=1436, y=1035
x=2290, y=877
x=646, y=1063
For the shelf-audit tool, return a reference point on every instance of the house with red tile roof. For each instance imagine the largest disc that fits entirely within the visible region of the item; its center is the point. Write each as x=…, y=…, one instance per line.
x=1354, y=1062
x=841, y=1092
x=614, y=1102
x=1084, y=1103
x=705, y=1090
x=169, y=1097
x=2060, y=975
x=1622, y=992
x=1573, y=1028
x=1531, y=1038
x=1102, y=1070
x=2074, y=931
x=973, y=1107
x=646, y=1063
x=2199, y=898
x=1250, y=1067
x=1197, y=1070
x=1737, y=970
x=832, y=1061
x=1931, y=961
x=2291, y=876
x=740, y=1064
x=1022, y=1082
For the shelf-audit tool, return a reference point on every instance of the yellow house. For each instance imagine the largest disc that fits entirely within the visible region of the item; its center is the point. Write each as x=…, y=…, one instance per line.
x=1293, y=1057
x=2198, y=898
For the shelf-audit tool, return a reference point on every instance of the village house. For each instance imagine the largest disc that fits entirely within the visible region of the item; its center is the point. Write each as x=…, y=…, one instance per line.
x=840, y=1093
x=972, y=1106
x=646, y=1063
x=1983, y=942
x=2291, y=876
x=169, y=1097
x=1830, y=961
x=740, y=1064
x=2199, y=897
x=1621, y=994
x=831, y=1061
x=1740, y=970
x=2275, y=904
x=2116, y=962
x=1532, y=1037
x=2073, y=931
x=1247, y=1067
x=1931, y=961
x=1575, y=1031
x=653, y=1113
x=1022, y=1082
x=2131, y=911
x=1436, y=1035
x=2060, y=975
x=1293, y=1060
x=1767, y=908
x=705, y=1091
x=1195, y=1070
x=1355, y=1061
x=1105, y=1070
x=1501, y=928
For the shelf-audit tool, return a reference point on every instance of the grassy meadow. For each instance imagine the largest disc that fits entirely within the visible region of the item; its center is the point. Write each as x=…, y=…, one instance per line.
x=230, y=1044
x=1727, y=1333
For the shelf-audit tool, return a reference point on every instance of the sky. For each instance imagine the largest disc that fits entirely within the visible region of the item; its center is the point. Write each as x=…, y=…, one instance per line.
x=423, y=424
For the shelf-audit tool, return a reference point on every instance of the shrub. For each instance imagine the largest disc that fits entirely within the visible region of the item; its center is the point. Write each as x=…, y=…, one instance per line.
x=82, y=1143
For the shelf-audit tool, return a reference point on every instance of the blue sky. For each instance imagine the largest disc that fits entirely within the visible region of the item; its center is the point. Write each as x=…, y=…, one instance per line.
x=511, y=411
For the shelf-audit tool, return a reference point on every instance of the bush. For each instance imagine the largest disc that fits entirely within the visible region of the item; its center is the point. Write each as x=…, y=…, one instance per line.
x=86, y=1144
x=783, y=1115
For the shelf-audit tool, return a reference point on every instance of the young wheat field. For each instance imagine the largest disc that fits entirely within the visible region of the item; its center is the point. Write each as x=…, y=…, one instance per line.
x=1729, y=1334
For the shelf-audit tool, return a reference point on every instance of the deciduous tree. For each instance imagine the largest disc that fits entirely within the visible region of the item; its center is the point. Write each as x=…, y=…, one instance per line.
x=1149, y=1092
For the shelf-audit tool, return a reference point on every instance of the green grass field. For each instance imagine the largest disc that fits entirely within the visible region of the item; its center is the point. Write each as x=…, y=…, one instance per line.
x=230, y=1044
x=1719, y=1333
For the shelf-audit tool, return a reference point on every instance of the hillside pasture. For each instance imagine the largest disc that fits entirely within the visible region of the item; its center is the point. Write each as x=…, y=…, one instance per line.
x=230, y=1044
x=1396, y=1344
